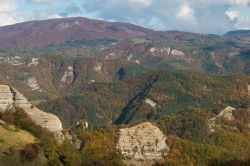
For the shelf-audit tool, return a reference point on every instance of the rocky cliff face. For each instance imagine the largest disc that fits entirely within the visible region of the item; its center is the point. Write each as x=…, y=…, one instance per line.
x=142, y=144
x=234, y=117
x=10, y=97
x=227, y=113
x=6, y=97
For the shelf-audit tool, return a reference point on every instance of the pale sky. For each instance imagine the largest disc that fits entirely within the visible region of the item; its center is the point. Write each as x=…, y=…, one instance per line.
x=200, y=16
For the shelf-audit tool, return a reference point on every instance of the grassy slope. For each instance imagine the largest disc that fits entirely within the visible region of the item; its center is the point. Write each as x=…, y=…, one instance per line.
x=11, y=141
x=10, y=137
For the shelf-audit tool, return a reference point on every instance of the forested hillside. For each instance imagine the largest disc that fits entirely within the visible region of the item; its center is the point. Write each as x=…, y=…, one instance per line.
x=102, y=79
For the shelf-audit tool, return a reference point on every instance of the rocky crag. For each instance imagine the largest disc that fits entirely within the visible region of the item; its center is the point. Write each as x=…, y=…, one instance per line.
x=227, y=113
x=142, y=144
x=10, y=97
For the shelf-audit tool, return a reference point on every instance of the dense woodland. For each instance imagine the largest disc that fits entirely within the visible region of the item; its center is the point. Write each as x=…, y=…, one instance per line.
x=185, y=103
x=188, y=138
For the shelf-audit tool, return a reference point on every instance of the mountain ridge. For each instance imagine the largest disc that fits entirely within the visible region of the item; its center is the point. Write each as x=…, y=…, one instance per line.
x=40, y=33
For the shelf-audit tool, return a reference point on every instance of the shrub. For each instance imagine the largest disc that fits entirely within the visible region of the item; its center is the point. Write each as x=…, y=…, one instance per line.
x=68, y=155
x=8, y=116
x=30, y=152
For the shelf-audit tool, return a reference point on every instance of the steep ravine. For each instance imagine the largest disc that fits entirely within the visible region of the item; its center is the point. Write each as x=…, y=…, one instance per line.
x=135, y=103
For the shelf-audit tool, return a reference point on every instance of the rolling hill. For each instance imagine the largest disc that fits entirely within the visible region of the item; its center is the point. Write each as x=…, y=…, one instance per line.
x=42, y=33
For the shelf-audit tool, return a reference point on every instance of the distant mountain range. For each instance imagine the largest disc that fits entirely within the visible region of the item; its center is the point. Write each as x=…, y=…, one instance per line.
x=42, y=33
x=111, y=40
x=240, y=34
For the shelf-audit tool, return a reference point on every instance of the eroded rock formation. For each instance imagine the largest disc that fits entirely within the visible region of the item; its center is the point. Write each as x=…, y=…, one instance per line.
x=32, y=82
x=9, y=97
x=248, y=90
x=177, y=53
x=142, y=144
x=227, y=113
x=6, y=97
x=151, y=103
x=68, y=76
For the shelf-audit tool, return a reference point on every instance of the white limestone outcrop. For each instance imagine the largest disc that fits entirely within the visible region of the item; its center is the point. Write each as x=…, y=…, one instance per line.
x=15, y=61
x=142, y=144
x=177, y=53
x=10, y=97
x=68, y=75
x=98, y=67
x=166, y=50
x=137, y=61
x=129, y=58
x=226, y=113
x=34, y=61
x=151, y=103
x=6, y=97
x=153, y=49
x=32, y=82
